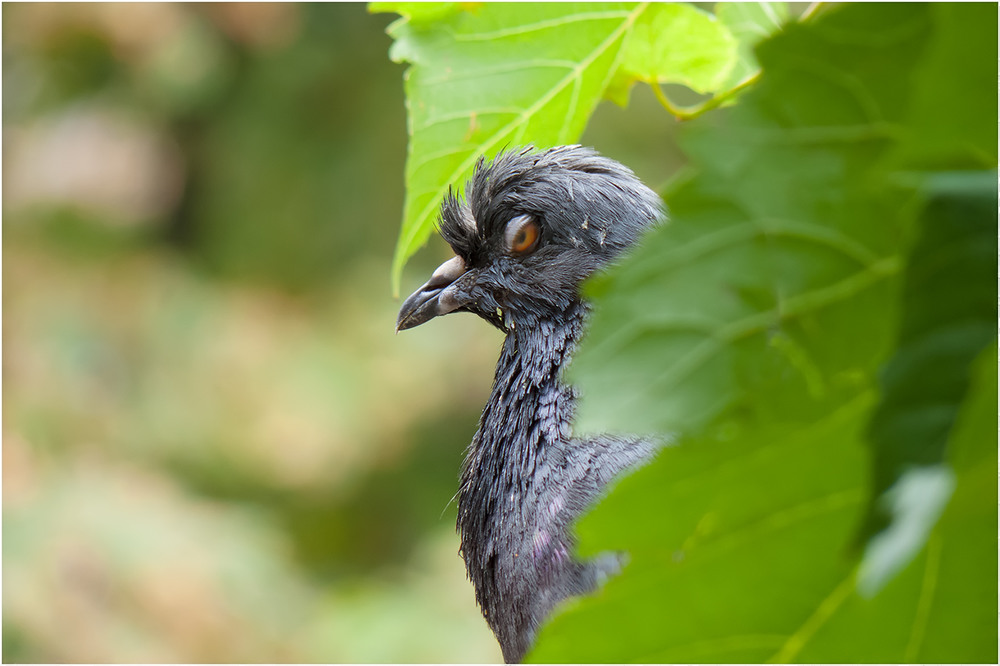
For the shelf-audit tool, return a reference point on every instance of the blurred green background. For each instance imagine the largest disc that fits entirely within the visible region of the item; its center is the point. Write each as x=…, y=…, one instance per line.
x=214, y=447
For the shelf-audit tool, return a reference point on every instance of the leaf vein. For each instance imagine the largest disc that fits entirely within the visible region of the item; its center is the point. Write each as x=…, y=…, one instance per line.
x=574, y=98
x=505, y=68
x=814, y=622
x=748, y=231
x=791, y=307
x=537, y=26
x=465, y=115
x=414, y=229
x=931, y=570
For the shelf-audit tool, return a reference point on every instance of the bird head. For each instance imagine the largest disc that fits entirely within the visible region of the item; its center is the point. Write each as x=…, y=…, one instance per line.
x=532, y=227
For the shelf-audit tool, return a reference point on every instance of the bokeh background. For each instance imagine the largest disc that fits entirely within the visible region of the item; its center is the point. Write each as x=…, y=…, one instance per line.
x=214, y=447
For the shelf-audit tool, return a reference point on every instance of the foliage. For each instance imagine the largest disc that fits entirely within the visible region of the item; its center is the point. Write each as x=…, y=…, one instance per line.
x=814, y=329
x=486, y=76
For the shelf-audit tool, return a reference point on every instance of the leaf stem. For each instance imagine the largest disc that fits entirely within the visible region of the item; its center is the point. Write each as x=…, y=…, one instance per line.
x=695, y=110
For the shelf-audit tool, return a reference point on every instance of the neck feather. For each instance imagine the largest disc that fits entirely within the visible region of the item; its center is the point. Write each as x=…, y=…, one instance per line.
x=529, y=407
x=508, y=519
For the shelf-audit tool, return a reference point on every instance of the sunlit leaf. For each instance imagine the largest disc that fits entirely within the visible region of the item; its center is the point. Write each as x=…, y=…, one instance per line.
x=493, y=76
x=417, y=12
x=677, y=43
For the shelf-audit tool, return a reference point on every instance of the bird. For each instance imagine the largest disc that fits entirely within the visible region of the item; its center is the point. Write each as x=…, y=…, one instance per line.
x=532, y=226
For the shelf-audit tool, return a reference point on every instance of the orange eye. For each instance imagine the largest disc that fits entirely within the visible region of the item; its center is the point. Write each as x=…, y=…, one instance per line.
x=522, y=234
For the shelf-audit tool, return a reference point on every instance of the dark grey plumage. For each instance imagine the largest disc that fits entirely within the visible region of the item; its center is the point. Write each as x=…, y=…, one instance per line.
x=526, y=478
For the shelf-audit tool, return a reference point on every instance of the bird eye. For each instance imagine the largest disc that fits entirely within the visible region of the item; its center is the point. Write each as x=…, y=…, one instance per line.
x=522, y=234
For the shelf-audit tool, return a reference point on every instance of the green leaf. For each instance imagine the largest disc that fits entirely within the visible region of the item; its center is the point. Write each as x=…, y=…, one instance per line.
x=949, y=295
x=416, y=12
x=497, y=75
x=953, y=121
x=958, y=591
x=759, y=284
x=749, y=23
x=677, y=43
x=753, y=328
x=948, y=317
x=715, y=530
x=940, y=607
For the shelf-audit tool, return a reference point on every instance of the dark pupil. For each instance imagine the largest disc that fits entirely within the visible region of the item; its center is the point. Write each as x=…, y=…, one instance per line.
x=519, y=238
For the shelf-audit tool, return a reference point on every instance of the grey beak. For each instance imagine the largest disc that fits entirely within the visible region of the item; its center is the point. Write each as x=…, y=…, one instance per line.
x=437, y=296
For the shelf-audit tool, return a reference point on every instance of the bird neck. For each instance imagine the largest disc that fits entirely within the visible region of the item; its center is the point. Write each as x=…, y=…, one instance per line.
x=512, y=506
x=537, y=346
x=529, y=369
x=529, y=413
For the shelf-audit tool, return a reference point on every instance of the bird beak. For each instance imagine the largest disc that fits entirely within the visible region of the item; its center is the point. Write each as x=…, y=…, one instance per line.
x=438, y=296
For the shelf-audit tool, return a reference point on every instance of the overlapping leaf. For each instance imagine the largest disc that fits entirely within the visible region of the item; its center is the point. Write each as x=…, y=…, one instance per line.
x=776, y=251
x=948, y=318
x=940, y=606
x=754, y=327
x=750, y=23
